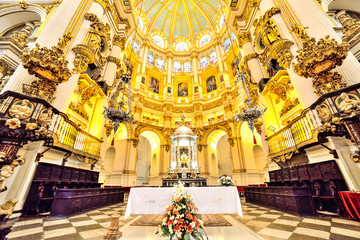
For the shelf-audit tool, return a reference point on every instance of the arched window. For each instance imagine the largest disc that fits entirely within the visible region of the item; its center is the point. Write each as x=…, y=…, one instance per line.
x=177, y=67
x=222, y=22
x=159, y=41
x=203, y=63
x=204, y=40
x=213, y=58
x=151, y=59
x=187, y=66
x=182, y=47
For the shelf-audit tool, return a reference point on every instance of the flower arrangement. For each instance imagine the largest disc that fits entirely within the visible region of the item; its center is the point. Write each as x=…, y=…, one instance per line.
x=172, y=176
x=181, y=219
x=225, y=180
x=193, y=174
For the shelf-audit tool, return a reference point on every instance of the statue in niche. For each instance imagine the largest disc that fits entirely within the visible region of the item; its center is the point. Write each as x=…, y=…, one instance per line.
x=8, y=170
x=184, y=159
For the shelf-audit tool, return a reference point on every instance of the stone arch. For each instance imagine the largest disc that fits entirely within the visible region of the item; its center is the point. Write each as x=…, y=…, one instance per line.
x=109, y=159
x=13, y=15
x=259, y=157
x=209, y=131
x=141, y=129
x=349, y=5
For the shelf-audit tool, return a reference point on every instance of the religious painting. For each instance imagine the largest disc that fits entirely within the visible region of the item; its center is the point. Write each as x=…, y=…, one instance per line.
x=154, y=85
x=221, y=78
x=211, y=84
x=143, y=80
x=168, y=89
x=183, y=90
x=196, y=89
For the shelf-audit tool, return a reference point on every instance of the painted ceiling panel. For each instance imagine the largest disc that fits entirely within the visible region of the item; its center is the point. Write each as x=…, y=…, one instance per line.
x=181, y=18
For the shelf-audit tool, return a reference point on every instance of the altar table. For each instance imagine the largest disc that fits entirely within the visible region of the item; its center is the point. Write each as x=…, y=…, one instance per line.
x=209, y=200
x=351, y=204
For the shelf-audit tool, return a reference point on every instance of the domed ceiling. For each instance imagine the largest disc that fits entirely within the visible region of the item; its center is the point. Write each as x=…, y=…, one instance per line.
x=181, y=18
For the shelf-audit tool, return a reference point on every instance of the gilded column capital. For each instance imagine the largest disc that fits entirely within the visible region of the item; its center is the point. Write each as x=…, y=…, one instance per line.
x=194, y=54
x=170, y=54
x=4, y=66
x=250, y=56
x=244, y=38
x=115, y=60
x=119, y=41
x=83, y=56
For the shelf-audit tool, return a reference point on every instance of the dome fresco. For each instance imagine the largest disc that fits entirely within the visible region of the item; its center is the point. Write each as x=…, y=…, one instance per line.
x=180, y=18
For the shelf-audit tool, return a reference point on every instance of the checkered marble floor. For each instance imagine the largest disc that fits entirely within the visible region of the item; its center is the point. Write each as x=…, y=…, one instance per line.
x=267, y=223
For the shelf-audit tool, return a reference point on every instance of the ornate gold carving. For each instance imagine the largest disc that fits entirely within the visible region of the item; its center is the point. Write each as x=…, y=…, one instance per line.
x=79, y=109
x=244, y=38
x=348, y=106
x=21, y=38
x=31, y=126
x=351, y=27
x=83, y=56
x=50, y=65
x=288, y=105
x=21, y=109
x=250, y=56
x=4, y=67
x=251, y=6
x=85, y=159
x=231, y=141
x=135, y=142
x=7, y=208
x=108, y=129
x=8, y=170
x=355, y=156
x=268, y=41
x=13, y=123
x=23, y=4
x=119, y=41
x=98, y=30
x=64, y=40
x=258, y=123
x=317, y=59
x=299, y=31
x=284, y=158
x=329, y=122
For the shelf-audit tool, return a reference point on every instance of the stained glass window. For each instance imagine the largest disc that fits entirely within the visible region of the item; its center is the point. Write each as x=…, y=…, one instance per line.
x=160, y=63
x=159, y=41
x=204, y=40
x=182, y=47
x=177, y=67
x=187, y=66
x=227, y=44
x=151, y=59
x=213, y=58
x=203, y=63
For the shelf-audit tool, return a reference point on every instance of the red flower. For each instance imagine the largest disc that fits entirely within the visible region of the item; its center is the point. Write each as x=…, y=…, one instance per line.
x=169, y=222
x=178, y=199
x=189, y=229
x=175, y=212
x=177, y=228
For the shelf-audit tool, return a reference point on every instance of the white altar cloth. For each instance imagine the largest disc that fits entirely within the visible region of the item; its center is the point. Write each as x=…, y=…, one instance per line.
x=209, y=200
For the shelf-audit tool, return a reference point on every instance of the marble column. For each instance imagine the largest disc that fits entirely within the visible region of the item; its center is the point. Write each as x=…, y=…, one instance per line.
x=66, y=90
x=194, y=67
x=54, y=29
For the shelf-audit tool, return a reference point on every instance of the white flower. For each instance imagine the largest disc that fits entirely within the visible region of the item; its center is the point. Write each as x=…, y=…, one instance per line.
x=192, y=224
x=200, y=222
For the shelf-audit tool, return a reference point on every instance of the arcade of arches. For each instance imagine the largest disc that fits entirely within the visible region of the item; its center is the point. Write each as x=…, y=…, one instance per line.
x=197, y=70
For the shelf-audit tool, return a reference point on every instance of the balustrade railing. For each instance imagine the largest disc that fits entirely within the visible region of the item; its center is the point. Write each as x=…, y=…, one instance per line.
x=70, y=135
x=299, y=132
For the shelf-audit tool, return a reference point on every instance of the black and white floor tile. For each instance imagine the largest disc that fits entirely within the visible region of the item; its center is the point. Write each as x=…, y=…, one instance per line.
x=267, y=223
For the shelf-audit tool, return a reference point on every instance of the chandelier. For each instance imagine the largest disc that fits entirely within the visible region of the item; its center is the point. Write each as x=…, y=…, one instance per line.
x=251, y=112
x=115, y=111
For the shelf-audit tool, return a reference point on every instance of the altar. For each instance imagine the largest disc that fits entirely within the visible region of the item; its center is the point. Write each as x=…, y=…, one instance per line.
x=184, y=165
x=209, y=200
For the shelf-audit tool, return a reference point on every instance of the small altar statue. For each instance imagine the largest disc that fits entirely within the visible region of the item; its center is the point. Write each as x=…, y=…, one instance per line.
x=8, y=170
x=184, y=159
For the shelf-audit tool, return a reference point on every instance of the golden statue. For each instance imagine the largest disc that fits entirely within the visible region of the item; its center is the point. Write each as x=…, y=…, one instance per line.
x=184, y=158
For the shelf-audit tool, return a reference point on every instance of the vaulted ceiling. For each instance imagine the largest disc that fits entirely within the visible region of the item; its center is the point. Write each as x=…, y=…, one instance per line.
x=181, y=18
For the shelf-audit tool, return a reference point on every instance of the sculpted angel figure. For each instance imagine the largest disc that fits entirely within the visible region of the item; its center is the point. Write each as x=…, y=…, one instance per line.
x=349, y=106
x=8, y=170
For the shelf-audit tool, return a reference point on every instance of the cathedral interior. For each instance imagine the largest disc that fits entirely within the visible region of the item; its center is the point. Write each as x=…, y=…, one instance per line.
x=99, y=97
